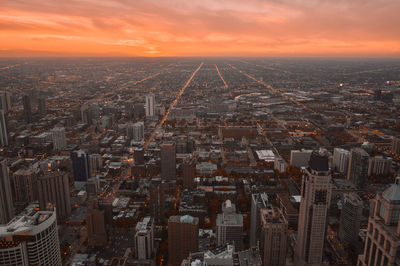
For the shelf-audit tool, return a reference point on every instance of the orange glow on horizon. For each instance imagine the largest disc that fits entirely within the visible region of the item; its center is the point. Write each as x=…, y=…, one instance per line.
x=200, y=28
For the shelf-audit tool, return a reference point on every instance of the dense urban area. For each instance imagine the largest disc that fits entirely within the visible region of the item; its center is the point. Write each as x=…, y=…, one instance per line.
x=199, y=161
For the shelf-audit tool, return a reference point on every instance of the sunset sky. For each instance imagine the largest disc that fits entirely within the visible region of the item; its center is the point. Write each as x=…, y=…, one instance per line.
x=200, y=28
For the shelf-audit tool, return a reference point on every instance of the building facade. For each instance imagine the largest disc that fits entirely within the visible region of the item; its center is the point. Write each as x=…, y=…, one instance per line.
x=259, y=201
x=144, y=239
x=229, y=226
x=168, y=161
x=358, y=167
x=350, y=218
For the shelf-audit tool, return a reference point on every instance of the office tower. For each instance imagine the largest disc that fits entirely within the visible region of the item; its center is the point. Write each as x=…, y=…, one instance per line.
x=379, y=166
x=382, y=242
x=95, y=225
x=42, y=106
x=138, y=156
x=129, y=109
x=182, y=238
x=93, y=186
x=150, y=105
x=26, y=101
x=350, y=218
x=316, y=191
x=358, y=166
x=6, y=200
x=3, y=129
x=95, y=163
x=168, y=161
x=188, y=169
x=58, y=138
x=280, y=165
x=144, y=239
x=31, y=238
x=135, y=131
x=157, y=200
x=139, y=111
x=259, y=201
x=395, y=145
x=274, y=236
x=85, y=114
x=80, y=164
x=230, y=226
x=5, y=101
x=341, y=159
x=53, y=189
x=300, y=158
x=25, y=186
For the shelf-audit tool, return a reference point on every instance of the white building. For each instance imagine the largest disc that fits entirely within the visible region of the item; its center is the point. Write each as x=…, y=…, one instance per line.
x=30, y=239
x=144, y=239
x=150, y=105
x=230, y=226
x=341, y=159
x=58, y=138
x=280, y=164
x=300, y=158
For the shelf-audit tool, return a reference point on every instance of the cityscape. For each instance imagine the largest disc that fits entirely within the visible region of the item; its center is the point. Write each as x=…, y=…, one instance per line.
x=200, y=133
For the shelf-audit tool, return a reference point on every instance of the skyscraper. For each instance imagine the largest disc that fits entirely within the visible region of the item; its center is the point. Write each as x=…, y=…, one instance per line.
x=135, y=131
x=358, y=167
x=150, y=105
x=258, y=201
x=230, y=226
x=316, y=191
x=31, y=238
x=25, y=186
x=53, y=189
x=168, y=161
x=395, y=147
x=95, y=225
x=58, y=138
x=5, y=101
x=3, y=129
x=42, y=106
x=341, y=159
x=80, y=164
x=182, y=238
x=144, y=239
x=26, y=101
x=188, y=169
x=6, y=200
x=273, y=237
x=350, y=218
x=157, y=200
x=95, y=163
x=379, y=166
x=382, y=243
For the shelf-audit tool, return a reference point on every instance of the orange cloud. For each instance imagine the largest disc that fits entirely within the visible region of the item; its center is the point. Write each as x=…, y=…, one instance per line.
x=200, y=28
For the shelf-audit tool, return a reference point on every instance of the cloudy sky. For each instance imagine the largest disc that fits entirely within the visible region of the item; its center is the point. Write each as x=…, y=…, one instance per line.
x=200, y=28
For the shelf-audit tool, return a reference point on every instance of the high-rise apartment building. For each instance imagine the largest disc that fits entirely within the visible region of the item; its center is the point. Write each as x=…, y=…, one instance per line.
x=5, y=101
x=316, y=192
x=53, y=189
x=157, y=200
x=42, y=106
x=229, y=226
x=31, y=238
x=182, y=238
x=138, y=131
x=168, y=161
x=144, y=239
x=382, y=243
x=95, y=163
x=26, y=101
x=6, y=200
x=80, y=164
x=58, y=138
x=95, y=225
x=358, y=166
x=150, y=105
x=274, y=234
x=395, y=145
x=379, y=166
x=3, y=129
x=259, y=201
x=188, y=169
x=341, y=159
x=350, y=218
x=25, y=186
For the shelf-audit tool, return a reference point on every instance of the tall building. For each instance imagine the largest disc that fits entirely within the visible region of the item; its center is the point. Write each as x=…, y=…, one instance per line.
x=316, y=192
x=168, y=161
x=300, y=158
x=395, y=145
x=382, y=243
x=3, y=129
x=95, y=225
x=157, y=200
x=95, y=163
x=341, y=159
x=80, y=164
x=5, y=101
x=138, y=156
x=139, y=111
x=150, y=105
x=358, y=167
x=6, y=200
x=259, y=201
x=144, y=239
x=274, y=236
x=182, y=238
x=379, y=166
x=42, y=106
x=135, y=131
x=31, y=238
x=26, y=101
x=58, y=138
x=188, y=169
x=25, y=186
x=53, y=189
x=230, y=226
x=350, y=218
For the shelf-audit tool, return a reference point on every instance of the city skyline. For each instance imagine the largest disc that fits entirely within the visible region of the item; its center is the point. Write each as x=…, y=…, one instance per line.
x=278, y=28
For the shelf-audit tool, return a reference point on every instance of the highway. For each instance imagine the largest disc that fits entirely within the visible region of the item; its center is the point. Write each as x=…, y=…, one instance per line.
x=171, y=106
